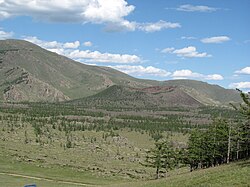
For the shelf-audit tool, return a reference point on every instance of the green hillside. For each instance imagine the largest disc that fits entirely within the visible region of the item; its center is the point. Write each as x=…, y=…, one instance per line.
x=31, y=73
x=235, y=174
x=150, y=97
x=64, y=76
x=206, y=93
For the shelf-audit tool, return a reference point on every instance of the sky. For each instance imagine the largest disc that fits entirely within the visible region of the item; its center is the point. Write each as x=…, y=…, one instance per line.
x=206, y=40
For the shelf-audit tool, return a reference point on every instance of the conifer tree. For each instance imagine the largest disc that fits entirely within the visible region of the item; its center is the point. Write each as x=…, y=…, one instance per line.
x=161, y=157
x=244, y=139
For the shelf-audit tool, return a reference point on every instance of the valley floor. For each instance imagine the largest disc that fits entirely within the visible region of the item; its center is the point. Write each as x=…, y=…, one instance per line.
x=19, y=174
x=59, y=145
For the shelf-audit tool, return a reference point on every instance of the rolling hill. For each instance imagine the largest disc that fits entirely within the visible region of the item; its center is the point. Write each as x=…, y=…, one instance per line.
x=149, y=97
x=31, y=73
x=205, y=93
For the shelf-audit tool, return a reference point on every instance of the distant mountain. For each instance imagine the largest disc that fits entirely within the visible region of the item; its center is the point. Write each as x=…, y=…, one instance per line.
x=151, y=97
x=205, y=93
x=181, y=93
x=31, y=73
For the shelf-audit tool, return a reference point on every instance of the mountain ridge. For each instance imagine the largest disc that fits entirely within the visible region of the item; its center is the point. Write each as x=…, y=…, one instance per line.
x=31, y=73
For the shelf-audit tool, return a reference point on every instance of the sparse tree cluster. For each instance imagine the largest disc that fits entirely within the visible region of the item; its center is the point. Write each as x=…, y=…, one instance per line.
x=163, y=157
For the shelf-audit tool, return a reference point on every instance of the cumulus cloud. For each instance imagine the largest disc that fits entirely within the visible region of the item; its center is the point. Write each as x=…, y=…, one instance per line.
x=124, y=25
x=214, y=77
x=111, y=13
x=240, y=85
x=193, y=8
x=71, y=45
x=189, y=52
x=188, y=74
x=142, y=71
x=179, y=74
x=52, y=45
x=70, y=49
x=215, y=39
x=96, y=56
x=87, y=44
x=5, y=35
x=97, y=11
x=153, y=71
x=245, y=70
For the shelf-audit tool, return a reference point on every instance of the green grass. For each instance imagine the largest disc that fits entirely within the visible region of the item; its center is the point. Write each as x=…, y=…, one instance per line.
x=12, y=181
x=234, y=174
x=56, y=174
x=97, y=156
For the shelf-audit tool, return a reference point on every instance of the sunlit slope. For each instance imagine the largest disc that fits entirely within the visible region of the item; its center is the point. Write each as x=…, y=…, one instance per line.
x=205, y=93
x=57, y=75
x=31, y=73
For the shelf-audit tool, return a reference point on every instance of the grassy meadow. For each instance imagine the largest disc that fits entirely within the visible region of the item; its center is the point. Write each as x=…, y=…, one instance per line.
x=64, y=145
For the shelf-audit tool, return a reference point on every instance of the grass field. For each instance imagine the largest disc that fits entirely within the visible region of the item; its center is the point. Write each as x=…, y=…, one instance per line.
x=234, y=174
x=106, y=148
x=14, y=173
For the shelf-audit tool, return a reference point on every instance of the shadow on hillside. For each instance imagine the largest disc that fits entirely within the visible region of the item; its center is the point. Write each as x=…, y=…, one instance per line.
x=244, y=163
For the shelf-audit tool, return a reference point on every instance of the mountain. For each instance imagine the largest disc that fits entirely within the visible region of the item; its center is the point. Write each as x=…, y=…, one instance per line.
x=118, y=96
x=176, y=93
x=31, y=73
x=205, y=93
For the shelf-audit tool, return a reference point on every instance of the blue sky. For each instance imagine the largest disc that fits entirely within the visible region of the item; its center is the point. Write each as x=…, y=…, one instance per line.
x=205, y=40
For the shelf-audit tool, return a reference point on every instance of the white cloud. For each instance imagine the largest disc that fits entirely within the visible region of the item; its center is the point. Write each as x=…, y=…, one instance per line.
x=107, y=11
x=216, y=39
x=167, y=50
x=185, y=74
x=71, y=45
x=111, y=13
x=70, y=50
x=152, y=27
x=146, y=27
x=188, y=38
x=98, y=11
x=214, y=77
x=87, y=44
x=142, y=71
x=240, y=85
x=53, y=45
x=96, y=56
x=5, y=35
x=193, y=8
x=124, y=25
x=189, y=52
x=188, y=74
x=44, y=44
x=245, y=70
x=153, y=71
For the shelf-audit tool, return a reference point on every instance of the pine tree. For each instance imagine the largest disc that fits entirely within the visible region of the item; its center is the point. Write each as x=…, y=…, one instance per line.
x=194, y=149
x=169, y=157
x=161, y=157
x=244, y=139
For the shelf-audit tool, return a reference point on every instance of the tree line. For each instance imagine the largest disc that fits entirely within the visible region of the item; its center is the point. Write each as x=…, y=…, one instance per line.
x=224, y=141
